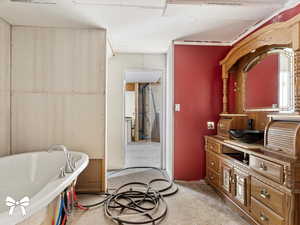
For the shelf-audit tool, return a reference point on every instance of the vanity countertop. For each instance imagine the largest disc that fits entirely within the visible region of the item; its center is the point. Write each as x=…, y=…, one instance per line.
x=254, y=149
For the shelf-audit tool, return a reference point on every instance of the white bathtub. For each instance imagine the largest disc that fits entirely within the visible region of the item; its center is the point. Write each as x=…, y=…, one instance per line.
x=35, y=175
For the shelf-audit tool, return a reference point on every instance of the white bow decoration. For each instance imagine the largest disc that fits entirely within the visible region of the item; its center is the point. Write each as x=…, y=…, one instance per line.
x=10, y=202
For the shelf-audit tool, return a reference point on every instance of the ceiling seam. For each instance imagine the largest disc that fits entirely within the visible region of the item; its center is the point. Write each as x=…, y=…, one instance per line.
x=222, y=2
x=231, y=42
x=165, y=8
x=208, y=43
x=78, y=2
x=244, y=33
x=238, y=37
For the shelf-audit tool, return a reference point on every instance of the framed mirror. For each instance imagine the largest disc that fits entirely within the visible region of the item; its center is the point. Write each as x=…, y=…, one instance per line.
x=269, y=81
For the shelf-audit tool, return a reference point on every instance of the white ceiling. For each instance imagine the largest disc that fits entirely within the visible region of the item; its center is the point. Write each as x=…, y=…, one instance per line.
x=142, y=76
x=147, y=26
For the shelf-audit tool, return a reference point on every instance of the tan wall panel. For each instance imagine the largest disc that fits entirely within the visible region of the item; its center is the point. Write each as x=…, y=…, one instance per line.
x=58, y=60
x=40, y=120
x=4, y=88
x=58, y=89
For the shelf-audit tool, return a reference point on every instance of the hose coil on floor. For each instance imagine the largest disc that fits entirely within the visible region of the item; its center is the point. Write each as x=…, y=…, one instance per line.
x=138, y=202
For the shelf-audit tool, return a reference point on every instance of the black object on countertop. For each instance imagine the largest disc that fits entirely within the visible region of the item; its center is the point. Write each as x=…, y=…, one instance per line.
x=247, y=136
x=250, y=124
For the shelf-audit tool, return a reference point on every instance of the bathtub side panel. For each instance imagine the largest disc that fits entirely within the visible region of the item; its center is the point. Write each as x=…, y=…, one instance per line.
x=44, y=216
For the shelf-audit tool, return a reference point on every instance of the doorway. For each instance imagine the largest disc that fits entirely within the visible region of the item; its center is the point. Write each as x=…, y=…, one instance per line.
x=142, y=119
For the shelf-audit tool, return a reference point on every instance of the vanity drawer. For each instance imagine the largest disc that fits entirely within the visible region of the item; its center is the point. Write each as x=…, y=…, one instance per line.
x=266, y=168
x=213, y=161
x=271, y=197
x=213, y=177
x=264, y=215
x=213, y=146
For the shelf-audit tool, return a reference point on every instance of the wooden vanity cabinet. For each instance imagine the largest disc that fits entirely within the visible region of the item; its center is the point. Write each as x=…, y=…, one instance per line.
x=241, y=187
x=263, y=215
x=259, y=189
x=271, y=170
x=213, y=177
x=226, y=178
x=234, y=182
x=268, y=195
x=212, y=167
x=213, y=146
x=263, y=182
x=213, y=162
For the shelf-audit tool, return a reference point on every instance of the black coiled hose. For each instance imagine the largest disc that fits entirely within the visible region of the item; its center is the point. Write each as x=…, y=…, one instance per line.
x=137, y=202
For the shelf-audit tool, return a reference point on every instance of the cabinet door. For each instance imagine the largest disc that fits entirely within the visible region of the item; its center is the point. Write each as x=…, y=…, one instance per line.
x=241, y=183
x=226, y=178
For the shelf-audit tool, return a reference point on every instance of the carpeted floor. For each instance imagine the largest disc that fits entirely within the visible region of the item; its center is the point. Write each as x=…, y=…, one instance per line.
x=143, y=154
x=196, y=203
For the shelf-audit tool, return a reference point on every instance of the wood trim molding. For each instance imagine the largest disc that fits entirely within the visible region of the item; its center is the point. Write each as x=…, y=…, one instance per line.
x=136, y=122
x=92, y=179
x=277, y=34
x=282, y=33
x=297, y=81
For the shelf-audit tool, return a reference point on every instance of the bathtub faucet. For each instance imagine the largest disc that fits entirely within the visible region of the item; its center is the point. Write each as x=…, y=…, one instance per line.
x=69, y=167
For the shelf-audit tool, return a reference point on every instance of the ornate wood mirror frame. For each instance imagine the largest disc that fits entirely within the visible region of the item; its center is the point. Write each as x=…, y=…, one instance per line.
x=251, y=60
x=283, y=34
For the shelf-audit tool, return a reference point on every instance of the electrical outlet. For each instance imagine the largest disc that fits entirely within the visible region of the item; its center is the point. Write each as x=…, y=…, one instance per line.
x=210, y=125
x=177, y=107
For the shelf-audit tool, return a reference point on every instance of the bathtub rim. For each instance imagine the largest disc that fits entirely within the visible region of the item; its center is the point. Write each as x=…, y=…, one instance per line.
x=48, y=193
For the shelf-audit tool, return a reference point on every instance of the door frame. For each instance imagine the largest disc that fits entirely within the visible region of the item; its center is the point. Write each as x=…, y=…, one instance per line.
x=162, y=117
x=168, y=104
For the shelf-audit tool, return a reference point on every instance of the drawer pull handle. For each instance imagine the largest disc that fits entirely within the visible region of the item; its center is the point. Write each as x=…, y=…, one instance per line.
x=211, y=178
x=232, y=180
x=263, y=217
x=264, y=193
x=212, y=163
x=263, y=167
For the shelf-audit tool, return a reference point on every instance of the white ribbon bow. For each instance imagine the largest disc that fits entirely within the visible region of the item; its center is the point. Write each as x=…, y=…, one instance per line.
x=10, y=202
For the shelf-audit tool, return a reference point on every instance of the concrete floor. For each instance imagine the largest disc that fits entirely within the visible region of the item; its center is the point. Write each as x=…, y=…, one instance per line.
x=143, y=154
x=196, y=203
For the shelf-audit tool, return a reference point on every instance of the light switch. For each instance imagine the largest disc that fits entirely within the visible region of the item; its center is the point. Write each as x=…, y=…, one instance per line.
x=177, y=107
x=210, y=125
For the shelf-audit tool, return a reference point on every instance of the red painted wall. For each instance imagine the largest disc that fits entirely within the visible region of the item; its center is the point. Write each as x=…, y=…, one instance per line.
x=262, y=80
x=286, y=15
x=198, y=89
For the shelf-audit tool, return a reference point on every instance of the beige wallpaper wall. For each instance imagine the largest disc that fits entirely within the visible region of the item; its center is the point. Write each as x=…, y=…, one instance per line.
x=58, y=89
x=4, y=88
